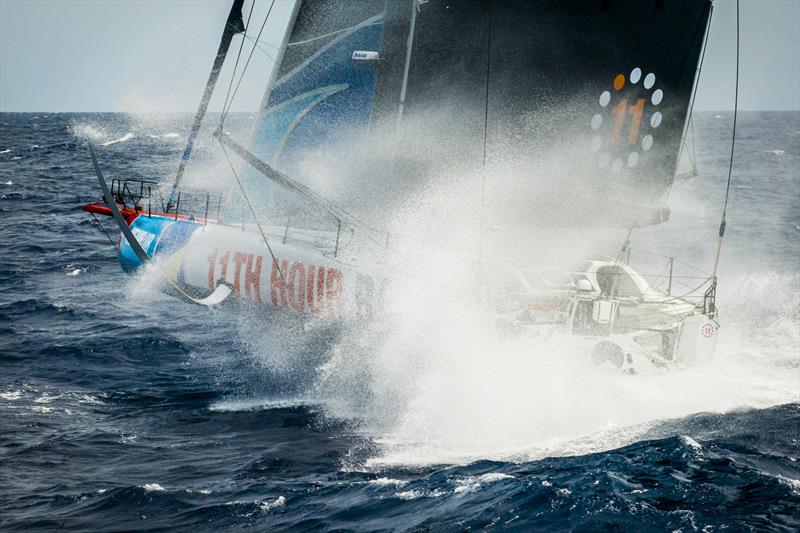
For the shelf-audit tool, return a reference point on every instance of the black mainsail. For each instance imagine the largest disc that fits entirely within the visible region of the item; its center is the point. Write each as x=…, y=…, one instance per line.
x=575, y=109
x=587, y=100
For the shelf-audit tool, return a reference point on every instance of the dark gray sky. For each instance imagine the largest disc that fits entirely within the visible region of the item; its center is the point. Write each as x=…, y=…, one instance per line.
x=148, y=55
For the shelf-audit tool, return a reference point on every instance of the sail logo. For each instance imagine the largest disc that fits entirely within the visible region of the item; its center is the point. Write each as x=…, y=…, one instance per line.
x=628, y=116
x=708, y=330
x=290, y=284
x=145, y=238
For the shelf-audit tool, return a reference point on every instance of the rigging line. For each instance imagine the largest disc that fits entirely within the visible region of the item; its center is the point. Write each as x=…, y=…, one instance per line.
x=255, y=218
x=699, y=72
x=693, y=153
x=407, y=65
x=104, y=231
x=261, y=48
x=735, y=112
x=690, y=122
x=264, y=43
x=238, y=55
x=486, y=103
x=249, y=57
x=722, y=223
x=482, y=227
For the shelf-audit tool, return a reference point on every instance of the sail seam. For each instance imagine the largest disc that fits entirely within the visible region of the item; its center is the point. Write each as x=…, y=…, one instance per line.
x=372, y=21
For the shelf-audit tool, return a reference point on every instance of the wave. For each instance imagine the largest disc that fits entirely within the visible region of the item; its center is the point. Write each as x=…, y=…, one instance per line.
x=128, y=136
x=260, y=404
x=164, y=136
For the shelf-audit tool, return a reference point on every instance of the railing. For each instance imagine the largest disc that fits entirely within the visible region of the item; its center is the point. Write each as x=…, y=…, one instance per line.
x=133, y=193
x=140, y=195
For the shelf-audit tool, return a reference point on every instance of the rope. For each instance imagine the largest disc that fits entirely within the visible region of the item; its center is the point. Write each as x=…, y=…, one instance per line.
x=260, y=45
x=239, y=53
x=690, y=123
x=735, y=113
x=114, y=244
x=253, y=213
x=485, y=139
x=225, y=111
x=486, y=104
x=730, y=163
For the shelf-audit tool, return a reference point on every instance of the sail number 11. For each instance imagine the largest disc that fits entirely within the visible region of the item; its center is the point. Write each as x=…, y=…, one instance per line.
x=620, y=111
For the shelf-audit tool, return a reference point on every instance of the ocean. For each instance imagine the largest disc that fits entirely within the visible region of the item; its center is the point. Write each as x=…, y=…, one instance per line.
x=124, y=409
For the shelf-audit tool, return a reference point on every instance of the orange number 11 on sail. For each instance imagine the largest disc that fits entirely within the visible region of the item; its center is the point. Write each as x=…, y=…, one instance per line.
x=619, y=112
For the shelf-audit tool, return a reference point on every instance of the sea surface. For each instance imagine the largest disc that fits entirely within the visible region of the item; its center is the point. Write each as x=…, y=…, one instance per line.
x=122, y=408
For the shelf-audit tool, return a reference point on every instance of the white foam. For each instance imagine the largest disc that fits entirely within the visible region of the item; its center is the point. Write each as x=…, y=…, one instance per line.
x=153, y=487
x=12, y=395
x=388, y=482
x=267, y=506
x=418, y=493
x=46, y=398
x=475, y=483
x=256, y=404
x=689, y=441
x=444, y=388
x=88, y=131
x=128, y=136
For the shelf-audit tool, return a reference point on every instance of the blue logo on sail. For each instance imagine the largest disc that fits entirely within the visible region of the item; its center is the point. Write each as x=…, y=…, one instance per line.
x=327, y=98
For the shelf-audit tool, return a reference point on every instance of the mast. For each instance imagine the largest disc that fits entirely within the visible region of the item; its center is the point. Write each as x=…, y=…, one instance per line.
x=233, y=25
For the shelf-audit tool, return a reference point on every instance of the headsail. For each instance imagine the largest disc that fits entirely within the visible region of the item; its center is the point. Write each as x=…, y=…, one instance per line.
x=320, y=94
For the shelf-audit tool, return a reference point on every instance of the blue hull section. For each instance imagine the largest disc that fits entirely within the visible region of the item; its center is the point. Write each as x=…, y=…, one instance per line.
x=157, y=235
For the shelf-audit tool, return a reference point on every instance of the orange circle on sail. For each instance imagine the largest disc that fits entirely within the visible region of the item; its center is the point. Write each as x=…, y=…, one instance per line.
x=619, y=82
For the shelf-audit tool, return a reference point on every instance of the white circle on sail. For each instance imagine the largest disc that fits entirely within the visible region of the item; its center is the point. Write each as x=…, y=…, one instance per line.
x=636, y=75
x=596, y=143
x=649, y=80
x=658, y=95
x=633, y=159
x=603, y=160
x=605, y=98
x=655, y=120
x=597, y=121
x=647, y=142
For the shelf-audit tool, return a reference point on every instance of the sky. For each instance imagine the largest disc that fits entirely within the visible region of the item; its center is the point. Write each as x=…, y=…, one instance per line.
x=155, y=55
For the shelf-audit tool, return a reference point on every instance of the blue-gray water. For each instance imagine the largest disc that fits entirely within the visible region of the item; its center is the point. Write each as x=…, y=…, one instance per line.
x=124, y=409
